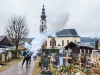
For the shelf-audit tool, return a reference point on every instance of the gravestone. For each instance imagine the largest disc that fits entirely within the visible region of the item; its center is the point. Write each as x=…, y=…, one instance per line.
x=45, y=61
x=45, y=68
x=2, y=62
x=9, y=55
x=61, y=60
x=3, y=58
x=56, y=60
x=67, y=57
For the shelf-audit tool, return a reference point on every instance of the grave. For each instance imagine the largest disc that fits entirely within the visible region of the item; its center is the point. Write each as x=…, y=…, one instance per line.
x=45, y=67
x=3, y=58
x=9, y=55
x=63, y=57
x=56, y=63
x=66, y=57
x=61, y=60
x=2, y=62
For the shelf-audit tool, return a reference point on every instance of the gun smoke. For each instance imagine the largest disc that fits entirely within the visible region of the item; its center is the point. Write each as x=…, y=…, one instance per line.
x=56, y=24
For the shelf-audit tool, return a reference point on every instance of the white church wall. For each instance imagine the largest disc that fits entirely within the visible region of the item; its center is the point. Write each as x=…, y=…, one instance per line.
x=44, y=22
x=59, y=41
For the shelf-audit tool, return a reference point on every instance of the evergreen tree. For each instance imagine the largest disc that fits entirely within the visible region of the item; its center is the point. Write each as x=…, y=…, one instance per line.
x=96, y=45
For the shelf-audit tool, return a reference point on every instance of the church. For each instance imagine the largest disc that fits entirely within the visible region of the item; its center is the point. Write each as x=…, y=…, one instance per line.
x=63, y=38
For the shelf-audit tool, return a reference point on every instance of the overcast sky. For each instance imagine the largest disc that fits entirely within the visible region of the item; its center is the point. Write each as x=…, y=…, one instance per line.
x=84, y=14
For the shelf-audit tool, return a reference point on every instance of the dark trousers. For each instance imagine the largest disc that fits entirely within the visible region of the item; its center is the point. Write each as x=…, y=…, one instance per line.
x=25, y=59
x=30, y=58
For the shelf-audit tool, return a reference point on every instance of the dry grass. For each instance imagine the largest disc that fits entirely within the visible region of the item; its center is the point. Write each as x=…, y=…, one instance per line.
x=53, y=70
x=36, y=70
x=15, y=61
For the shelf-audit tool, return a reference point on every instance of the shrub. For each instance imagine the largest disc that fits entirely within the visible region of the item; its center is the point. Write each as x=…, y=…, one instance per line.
x=13, y=53
x=40, y=63
x=18, y=57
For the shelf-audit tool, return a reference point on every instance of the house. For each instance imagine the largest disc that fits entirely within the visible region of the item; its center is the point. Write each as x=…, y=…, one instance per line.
x=4, y=43
x=79, y=48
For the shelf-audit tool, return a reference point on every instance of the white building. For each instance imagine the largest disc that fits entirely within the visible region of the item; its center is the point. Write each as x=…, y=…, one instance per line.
x=63, y=37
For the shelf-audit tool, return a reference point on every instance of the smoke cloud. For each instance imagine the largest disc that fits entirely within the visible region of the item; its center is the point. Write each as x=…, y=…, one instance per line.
x=57, y=23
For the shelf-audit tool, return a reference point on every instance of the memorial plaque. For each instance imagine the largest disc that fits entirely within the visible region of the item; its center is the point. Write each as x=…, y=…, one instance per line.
x=45, y=68
x=45, y=61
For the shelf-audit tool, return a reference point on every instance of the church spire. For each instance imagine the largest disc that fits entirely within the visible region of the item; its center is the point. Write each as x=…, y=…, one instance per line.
x=43, y=16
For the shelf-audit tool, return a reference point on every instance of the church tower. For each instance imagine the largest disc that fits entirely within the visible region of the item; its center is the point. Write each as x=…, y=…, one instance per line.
x=43, y=21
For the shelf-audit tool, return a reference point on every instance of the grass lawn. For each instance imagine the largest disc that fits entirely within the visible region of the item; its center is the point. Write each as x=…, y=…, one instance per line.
x=15, y=61
x=36, y=70
x=53, y=70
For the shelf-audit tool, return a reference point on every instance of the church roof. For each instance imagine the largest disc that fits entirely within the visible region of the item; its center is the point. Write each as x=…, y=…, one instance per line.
x=67, y=33
x=43, y=16
x=72, y=44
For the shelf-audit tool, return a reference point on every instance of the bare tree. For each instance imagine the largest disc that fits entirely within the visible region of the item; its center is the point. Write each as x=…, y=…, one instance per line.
x=16, y=29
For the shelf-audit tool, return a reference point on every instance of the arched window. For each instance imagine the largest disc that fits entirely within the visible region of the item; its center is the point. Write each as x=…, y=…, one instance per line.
x=42, y=22
x=67, y=42
x=62, y=42
x=50, y=43
x=55, y=42
x=75, y=41
x=42, y=29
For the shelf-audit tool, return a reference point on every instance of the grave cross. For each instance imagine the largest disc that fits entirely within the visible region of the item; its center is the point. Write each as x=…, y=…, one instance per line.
x=67, y=58
x=95, y=56
x=80, y=56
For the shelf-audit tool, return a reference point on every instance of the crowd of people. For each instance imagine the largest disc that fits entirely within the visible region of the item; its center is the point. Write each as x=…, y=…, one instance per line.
x=27, y=57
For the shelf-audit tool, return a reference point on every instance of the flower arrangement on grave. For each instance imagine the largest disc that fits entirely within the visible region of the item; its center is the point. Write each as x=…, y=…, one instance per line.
x=62, y=70
x=70, y=68
x=65, y=70
x=88, y=72
x=43, y=69
x=48, y=69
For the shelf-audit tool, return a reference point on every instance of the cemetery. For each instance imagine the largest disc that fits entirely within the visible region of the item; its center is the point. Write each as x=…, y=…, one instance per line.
x=57, y=51
x=7, y=56
x=67, y=62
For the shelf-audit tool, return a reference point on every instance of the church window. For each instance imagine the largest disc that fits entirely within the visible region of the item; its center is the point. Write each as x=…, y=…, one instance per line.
x=75, y=41
x=62, y=42
x=55, y=42
x=42, y=22
x=50, y=43
x=42, y=29
x=67, y=42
